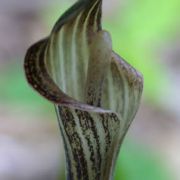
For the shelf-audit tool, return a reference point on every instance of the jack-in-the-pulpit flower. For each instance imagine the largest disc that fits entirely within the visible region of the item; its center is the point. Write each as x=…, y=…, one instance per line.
x=96, y=93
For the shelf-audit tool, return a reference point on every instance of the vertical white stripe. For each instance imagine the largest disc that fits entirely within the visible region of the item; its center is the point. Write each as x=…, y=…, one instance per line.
x=74, y=58
x=111, y=91
x=61, y=60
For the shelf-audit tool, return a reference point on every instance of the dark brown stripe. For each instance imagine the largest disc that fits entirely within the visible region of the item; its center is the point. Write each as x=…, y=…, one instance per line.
x=87, y=124
x=105, y=122
x=75, y=143
x=92, y=17
x=68, y=159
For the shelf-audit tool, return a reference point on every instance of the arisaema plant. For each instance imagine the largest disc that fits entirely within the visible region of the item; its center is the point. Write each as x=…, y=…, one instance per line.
x=96, y=93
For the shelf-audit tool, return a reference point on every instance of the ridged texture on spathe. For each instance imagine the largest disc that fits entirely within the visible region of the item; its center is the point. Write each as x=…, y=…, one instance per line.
x=90, y=140
x=96, y=93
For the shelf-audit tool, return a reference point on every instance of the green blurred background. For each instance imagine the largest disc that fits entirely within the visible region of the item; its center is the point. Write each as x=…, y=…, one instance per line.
x=144, y=32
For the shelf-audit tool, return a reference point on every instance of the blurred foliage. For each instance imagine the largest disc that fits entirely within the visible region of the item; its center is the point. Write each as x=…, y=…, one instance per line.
x=16, y=91
x=135, y=162
x=138, y=31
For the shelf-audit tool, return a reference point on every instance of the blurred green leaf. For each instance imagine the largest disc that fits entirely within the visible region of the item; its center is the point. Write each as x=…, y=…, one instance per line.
x=138, y=31
x=15, y=90
x=137, y=163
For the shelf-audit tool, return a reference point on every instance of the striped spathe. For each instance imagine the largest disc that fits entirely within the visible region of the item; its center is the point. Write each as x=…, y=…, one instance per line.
x=96, y=93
